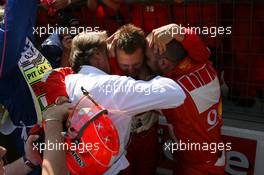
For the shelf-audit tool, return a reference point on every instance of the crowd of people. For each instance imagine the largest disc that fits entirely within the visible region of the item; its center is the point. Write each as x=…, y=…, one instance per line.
x=231, y=54
x=42, y=79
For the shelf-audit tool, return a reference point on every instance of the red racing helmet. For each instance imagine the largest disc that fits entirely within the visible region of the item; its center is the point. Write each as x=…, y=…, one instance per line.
x=92, y=139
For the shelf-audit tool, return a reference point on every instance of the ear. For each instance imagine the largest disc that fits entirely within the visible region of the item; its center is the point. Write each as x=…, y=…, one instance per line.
x=95, y=59
x=97, y=55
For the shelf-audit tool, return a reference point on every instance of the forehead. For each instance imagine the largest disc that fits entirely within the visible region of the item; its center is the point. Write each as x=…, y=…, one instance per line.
x=133, y=58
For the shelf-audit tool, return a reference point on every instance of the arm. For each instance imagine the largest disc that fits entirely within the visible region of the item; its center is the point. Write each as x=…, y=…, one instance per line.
x=133, y=97
x=19, y=22
x=54, y=161
x=30, y=154
x=124, y=94
x=13, y=168
x=195, y=47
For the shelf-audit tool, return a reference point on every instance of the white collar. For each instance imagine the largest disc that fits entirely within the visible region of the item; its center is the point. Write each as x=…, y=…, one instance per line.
x=85, y=69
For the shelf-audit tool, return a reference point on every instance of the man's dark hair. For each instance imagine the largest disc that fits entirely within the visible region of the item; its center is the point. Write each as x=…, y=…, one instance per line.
x=84, y=45
x=175, y=52
x=130, y=38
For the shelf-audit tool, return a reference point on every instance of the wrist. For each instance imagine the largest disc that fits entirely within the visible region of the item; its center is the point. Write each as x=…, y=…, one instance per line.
x=52, y=120
x=61, y=99
x=53, y=131
x=29, y=165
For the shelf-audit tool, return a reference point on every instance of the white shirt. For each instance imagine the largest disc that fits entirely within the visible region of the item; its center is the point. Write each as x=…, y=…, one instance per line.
x=124, y=97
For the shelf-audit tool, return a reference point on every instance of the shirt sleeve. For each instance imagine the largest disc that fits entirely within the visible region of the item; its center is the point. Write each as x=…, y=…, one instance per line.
x=195, y=47
x=133, y=97
x=19, y=22
x=55, y=84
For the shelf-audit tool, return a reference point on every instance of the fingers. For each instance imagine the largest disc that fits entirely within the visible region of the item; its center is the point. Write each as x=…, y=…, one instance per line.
x=59, y=111
x=162, y=48
x=159, y=39
x=111, y=47
x=31, y=139
x=67, y=37
x=68, y=106
x=2, y=151
x=158, y=47
x=62, y=108
x=110, y=39
x=1, y=164
x=66, y=41
x=155, y=47
x=151, y=39
x=62, y=99
x=155, y=41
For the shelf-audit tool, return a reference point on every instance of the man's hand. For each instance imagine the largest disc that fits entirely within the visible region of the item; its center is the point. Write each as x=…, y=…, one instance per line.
x=111, y=44
x=160, y=37
x=66, y=42
x=31, y=153
x=59, y=112
x=62, y=99
x=2, y=153
x=54, y=161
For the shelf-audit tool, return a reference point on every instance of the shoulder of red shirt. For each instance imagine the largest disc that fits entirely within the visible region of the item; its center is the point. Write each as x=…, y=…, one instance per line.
x=55, y=84
x=196, y=48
